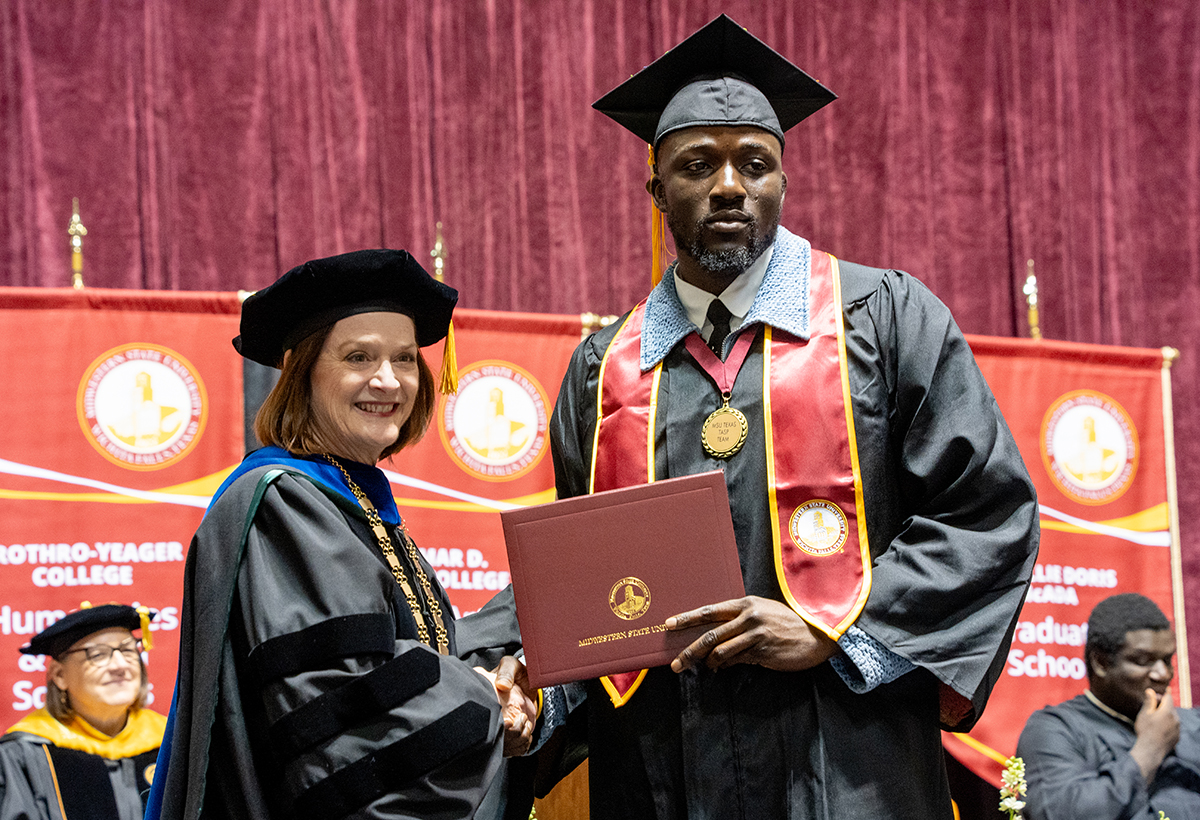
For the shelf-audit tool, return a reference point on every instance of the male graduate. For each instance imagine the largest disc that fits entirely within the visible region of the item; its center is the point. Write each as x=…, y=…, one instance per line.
x=886, y=525
x=1121, y=750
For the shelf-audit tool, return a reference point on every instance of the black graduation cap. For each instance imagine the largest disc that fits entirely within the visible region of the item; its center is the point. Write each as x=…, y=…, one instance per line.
x=721, y=75
x=317, y=294
x=58, y=637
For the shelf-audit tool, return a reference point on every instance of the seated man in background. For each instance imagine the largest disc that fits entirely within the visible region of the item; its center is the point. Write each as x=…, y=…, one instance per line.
x=1121, y=749
x=90, y=752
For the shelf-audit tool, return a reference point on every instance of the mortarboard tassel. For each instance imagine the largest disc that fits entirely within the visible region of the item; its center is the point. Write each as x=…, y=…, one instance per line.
x=658, y=236
x=144, y=616
x=449, y=382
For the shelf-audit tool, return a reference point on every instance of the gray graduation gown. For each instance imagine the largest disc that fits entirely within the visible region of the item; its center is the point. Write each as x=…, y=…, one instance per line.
x=80, y=786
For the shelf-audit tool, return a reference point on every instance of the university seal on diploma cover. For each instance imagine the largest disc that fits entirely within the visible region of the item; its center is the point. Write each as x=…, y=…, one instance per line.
x=629, y=598
x=596, y=577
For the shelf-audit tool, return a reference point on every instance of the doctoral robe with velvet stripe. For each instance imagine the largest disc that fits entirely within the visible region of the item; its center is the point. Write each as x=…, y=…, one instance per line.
x=952, y=522
x=303, y=690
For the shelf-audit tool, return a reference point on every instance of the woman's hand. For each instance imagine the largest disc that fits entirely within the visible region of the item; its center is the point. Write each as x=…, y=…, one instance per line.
x=517, y=707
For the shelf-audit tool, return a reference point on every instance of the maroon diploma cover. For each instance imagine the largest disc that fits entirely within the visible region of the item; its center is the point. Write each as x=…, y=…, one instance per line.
x=596, y=577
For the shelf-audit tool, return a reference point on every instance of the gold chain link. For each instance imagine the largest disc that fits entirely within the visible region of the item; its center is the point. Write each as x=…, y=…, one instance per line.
x=389, y=552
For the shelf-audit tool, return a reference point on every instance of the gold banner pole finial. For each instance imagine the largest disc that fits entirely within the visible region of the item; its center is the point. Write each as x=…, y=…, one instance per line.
x=590, y=322
x=1031, y=299
x=77, y=232
x=439, y=255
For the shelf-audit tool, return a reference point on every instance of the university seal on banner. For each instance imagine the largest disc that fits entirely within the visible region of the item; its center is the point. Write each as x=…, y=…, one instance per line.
x=629, y=598
x=142, y=406
x=819, y=527
x=495, y=426
x=1089, y=446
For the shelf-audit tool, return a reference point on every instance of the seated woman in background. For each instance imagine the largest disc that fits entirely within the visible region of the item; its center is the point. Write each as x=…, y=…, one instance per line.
x=90, y=752
x=318, y=675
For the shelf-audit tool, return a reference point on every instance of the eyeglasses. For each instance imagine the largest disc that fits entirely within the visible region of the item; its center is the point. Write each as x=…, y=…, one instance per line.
x=100, y=654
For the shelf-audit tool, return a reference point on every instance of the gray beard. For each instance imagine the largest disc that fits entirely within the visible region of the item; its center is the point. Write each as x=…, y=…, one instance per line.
x=731, y=261
x=734, y=261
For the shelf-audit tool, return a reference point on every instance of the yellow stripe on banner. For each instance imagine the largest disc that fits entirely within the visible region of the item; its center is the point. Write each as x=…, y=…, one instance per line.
x=202, y=487
x=100, y=498
x=1152, y=519
x=542, y=497
x=982, y=748
x=206, y=485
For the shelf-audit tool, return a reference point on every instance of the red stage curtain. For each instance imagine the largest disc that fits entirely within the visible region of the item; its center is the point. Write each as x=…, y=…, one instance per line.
x=213, y=144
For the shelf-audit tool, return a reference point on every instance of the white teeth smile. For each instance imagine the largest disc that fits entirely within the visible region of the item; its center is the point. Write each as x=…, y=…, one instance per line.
x=377, y=408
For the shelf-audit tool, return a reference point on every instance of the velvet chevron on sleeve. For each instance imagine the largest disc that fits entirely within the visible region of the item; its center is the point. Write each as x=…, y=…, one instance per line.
x=304, y=690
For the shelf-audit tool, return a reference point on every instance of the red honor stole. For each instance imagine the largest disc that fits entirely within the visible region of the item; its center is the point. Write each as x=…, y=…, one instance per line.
x=818, y=525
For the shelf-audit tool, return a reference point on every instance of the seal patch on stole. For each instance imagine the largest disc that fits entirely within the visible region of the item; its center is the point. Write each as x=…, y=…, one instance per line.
x=818, y=527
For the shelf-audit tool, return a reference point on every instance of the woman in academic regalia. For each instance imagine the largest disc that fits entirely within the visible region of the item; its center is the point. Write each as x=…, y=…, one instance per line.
x=90, y=752
x=319, y=675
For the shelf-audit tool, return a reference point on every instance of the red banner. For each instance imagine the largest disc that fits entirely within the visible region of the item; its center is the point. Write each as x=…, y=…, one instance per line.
x=487, y=449
x=121, y=410
x=1093, y=425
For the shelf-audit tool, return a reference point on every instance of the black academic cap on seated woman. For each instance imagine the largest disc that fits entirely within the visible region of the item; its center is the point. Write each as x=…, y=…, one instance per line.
x=58, y=637
x=319, y=293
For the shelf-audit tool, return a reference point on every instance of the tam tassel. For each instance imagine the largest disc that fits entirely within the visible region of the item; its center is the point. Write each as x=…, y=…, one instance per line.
x=144, y=616
x=449, y=381
x=658, y=237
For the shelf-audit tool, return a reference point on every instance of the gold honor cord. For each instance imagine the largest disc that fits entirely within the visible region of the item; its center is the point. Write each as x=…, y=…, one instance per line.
x=385, y=546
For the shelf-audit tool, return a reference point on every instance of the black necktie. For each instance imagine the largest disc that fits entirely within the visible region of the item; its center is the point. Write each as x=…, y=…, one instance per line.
x=719, y=316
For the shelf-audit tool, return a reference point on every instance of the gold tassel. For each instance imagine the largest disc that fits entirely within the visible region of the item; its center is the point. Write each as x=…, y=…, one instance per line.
x=658, y=264
x=144, y=615
x=658, y=236
x=449, y=382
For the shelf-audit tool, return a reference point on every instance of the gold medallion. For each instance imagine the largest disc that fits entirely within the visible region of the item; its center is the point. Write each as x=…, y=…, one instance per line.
x=724, y=431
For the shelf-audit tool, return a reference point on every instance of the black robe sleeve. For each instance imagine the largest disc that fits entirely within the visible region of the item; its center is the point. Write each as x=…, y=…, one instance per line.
x=952, y=511
x=326, y=704
x=343, y=677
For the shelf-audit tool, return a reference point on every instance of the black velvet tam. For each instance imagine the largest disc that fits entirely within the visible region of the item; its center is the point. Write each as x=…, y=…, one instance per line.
x=721, y=75
x=315, y=295
x=58, y=637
